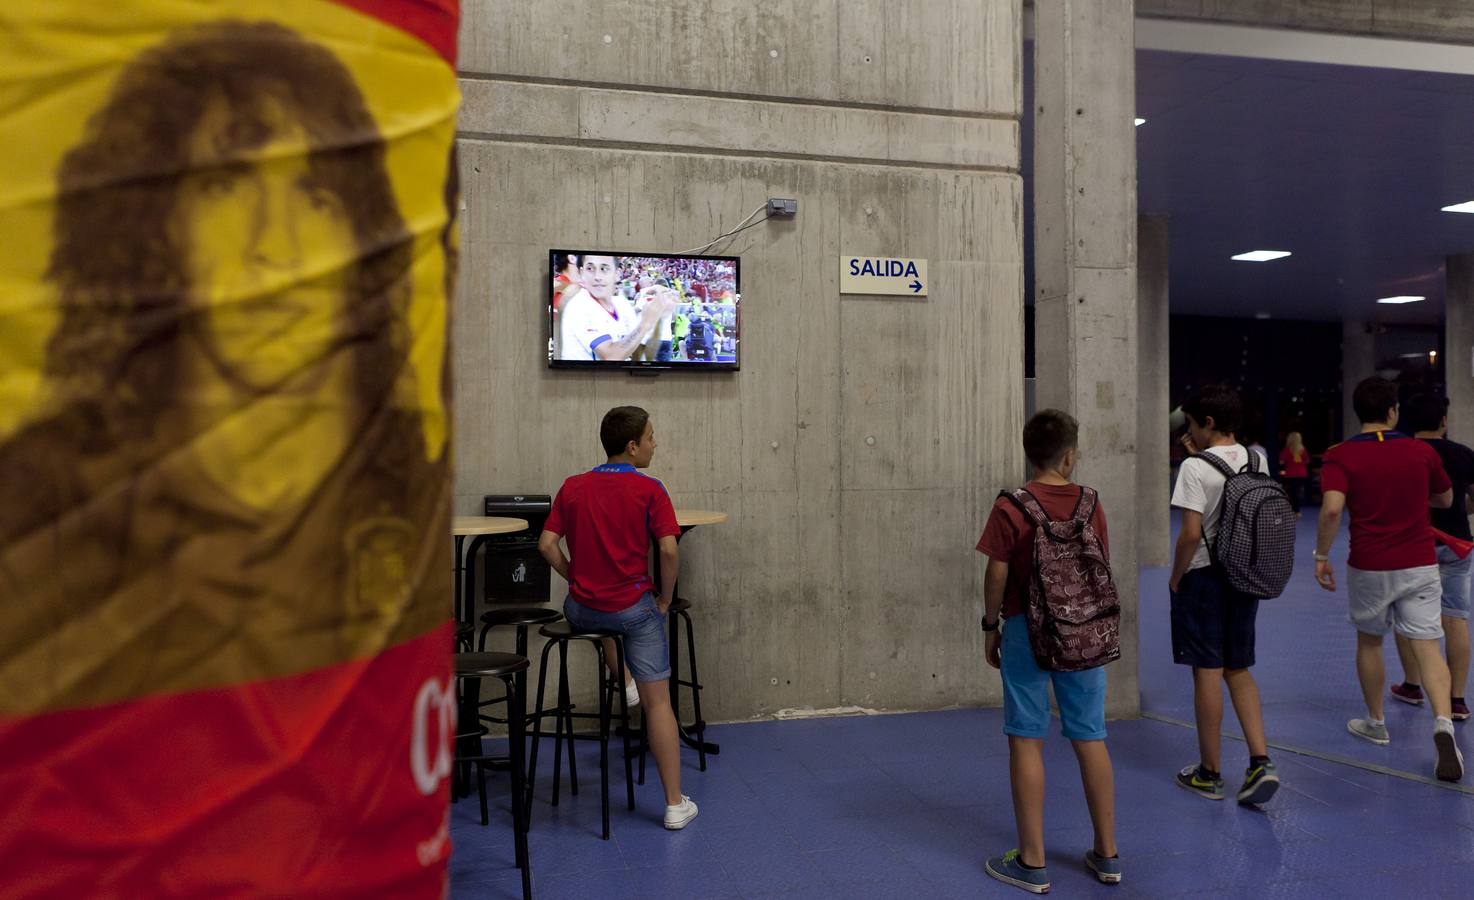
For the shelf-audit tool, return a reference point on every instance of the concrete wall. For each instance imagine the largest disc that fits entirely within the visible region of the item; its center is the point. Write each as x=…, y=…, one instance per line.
x=846, y=574
x=1358, y=361
x=1085, y=322
x=1153, y=392
x=1458, y=345
x=1438, y=20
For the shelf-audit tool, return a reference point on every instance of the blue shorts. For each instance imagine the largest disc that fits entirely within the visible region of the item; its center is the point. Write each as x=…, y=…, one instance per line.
x=1080, y=695
x=646, y=651
x=1454, y=573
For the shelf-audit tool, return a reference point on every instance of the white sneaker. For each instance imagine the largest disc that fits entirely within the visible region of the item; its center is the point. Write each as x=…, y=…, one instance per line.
x=631, y=694
x=680, y=815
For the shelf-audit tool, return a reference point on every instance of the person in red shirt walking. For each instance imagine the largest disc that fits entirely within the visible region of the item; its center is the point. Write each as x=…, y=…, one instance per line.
x=1295, y=470
x=609, y=516
x=1388, y=481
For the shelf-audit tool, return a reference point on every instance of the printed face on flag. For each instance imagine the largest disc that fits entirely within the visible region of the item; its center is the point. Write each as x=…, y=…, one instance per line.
x=224, y=478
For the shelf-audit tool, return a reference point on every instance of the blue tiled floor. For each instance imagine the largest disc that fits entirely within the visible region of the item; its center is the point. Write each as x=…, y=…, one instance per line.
x=909, y=806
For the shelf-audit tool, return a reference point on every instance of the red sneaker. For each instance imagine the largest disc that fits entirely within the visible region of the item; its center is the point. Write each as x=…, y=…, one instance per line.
x=1461, y=711
x=1412, y=695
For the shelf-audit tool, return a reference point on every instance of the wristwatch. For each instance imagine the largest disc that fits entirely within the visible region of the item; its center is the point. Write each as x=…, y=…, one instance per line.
x=1321, y=557
x=987, y=627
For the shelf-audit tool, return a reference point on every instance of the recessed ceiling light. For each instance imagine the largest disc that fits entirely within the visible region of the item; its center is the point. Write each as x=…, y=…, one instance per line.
x=1261, y=255
x=1465, y=207
x=1140, y=121
x=1401, y=299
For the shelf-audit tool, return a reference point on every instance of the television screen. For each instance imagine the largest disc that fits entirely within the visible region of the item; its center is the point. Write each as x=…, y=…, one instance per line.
x=613, y=310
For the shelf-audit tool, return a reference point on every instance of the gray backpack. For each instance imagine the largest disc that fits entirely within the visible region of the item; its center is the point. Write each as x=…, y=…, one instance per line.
x=1255, y=543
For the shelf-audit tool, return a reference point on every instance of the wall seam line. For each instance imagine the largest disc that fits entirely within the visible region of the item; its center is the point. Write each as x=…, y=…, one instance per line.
x=671, y=149
x=737, y=95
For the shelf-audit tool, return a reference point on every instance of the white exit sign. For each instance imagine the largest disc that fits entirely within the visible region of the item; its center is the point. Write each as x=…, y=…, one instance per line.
x=882, y=275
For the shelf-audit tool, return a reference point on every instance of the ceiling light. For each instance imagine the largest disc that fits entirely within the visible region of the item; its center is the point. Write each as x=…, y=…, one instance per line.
x=1465, y=207
x=1140, y=121
x=1261, y=255
x=1401, y=299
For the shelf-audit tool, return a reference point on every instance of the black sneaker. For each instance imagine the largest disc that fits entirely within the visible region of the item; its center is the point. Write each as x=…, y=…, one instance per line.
x=1260, y=783
x=1192, y=779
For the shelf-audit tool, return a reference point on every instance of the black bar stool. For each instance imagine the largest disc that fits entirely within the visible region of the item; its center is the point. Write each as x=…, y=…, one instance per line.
x=470, y=668
x=680, y=611
x=560, y=635
x=522, y=617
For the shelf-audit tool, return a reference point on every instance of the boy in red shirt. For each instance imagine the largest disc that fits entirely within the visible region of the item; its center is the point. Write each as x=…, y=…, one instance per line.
x=1050, y=442
x=609, y=516
x=1388, y=481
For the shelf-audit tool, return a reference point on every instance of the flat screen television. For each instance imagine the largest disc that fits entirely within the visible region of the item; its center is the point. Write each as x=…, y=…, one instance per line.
x=654, y=311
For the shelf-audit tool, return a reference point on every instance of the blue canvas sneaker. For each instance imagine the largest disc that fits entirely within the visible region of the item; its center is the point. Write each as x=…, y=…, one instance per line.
x=1010, y=870
x=1107, y=871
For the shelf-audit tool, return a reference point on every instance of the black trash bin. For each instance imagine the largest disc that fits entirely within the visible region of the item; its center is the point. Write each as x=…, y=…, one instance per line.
x=515, y=571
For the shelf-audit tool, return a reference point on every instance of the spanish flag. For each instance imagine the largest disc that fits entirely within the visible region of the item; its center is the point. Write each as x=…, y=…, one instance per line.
x=224, y=427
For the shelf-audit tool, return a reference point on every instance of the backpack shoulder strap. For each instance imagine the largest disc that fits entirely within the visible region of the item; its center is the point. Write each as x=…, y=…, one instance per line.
x=1085, y=507
x=1029, y=504
x=1218, y=463
x=1253, y=460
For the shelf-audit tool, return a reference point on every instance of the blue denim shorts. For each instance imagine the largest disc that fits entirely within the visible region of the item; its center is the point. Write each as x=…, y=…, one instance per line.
x=646, y=651
x=1454, y=573
x=1080, y=695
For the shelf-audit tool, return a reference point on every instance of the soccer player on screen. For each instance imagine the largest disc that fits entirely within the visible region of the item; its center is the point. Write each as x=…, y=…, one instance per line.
x=599, y=324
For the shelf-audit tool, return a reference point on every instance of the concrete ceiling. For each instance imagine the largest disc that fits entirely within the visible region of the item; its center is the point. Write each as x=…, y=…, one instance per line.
x=1346, y=167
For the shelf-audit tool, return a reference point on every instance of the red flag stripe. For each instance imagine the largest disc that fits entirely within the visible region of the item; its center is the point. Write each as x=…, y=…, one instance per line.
x=239, y=790
x=432, y=21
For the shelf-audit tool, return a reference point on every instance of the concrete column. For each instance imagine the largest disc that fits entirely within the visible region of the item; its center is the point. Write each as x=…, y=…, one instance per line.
x=1085, y=327
x=1358, y=360
x=1153, y=394
x=1458, y=345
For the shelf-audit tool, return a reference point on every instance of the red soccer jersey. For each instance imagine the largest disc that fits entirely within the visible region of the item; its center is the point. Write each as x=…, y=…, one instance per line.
x=609, y=516
x=1387, y=478
x=1009, y=536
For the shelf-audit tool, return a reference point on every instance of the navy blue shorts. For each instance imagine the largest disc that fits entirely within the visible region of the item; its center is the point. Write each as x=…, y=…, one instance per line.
x=1212, y=624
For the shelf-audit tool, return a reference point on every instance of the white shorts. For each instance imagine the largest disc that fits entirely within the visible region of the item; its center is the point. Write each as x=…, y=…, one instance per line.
x=1408, y=600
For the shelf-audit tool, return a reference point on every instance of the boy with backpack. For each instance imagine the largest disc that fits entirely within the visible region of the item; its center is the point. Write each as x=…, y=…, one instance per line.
x=1048, y=585
x=1235, y=546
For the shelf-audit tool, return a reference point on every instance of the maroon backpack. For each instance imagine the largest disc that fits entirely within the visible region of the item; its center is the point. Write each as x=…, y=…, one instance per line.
x=1073, y=611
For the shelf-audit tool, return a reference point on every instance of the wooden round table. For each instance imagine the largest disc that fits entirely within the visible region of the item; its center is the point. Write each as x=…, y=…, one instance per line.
x=463, y=527
x=688, y=519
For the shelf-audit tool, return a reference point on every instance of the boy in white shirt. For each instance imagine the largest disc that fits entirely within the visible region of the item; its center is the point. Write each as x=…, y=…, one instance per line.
x=1213, y=624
